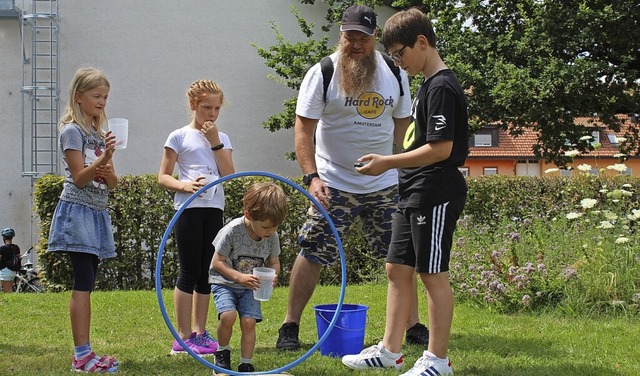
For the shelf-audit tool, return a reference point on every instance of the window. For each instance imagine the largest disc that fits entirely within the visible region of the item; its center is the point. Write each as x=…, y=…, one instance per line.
x=596, y=137
x=490, y=171
x=482, y=140
x=528, y=167
x=464, y=171
x=628, y=171
x=613, y=139
x=566, y=173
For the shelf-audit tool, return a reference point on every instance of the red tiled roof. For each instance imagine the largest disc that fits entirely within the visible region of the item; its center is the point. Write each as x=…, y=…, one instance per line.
x=522, y=145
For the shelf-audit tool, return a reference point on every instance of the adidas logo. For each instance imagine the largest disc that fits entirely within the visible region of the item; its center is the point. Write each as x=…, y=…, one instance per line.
x=422, y=220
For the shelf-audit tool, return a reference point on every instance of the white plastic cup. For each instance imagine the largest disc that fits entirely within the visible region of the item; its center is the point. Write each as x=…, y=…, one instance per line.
x=119, y=127
x=266, y=275
x=203, y=170
x=208, y=194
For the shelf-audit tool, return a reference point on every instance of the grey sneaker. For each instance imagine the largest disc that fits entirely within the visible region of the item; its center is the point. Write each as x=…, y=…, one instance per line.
x=288, y=337
x=418, y=335
x=428, y=364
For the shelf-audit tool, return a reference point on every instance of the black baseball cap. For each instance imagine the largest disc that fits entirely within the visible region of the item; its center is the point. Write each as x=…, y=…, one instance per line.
x=359, y=18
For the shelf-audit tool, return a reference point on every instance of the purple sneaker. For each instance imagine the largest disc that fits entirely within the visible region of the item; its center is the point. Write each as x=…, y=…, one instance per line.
x=193, y=345
x=205, y=339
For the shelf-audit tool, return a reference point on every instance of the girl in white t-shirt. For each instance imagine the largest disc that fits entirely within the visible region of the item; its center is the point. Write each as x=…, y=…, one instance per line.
x=201, y=152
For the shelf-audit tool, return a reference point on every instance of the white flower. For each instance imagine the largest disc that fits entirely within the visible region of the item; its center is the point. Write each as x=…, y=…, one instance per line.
x=621, y=139
x=620, y=167
x=588, y=203
x=619, y=155
x=604, y=190
x=622, y=240
x=585, y=138
x=605, y=225
x=574, y=215
x=550, y=170
x=635, y=214
x=627, y=185
x=610, y=216
x=585, y=167
x=572, y=153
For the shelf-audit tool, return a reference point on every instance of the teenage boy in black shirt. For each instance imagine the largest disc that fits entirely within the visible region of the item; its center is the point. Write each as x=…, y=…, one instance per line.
x=432, y=195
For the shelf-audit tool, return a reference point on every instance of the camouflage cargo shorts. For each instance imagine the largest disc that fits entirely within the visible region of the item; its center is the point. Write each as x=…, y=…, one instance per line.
x=376, y=211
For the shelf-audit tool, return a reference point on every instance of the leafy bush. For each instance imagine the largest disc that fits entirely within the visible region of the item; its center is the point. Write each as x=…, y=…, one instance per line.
x=140, y=212
x=523, y=243
x=550, y=242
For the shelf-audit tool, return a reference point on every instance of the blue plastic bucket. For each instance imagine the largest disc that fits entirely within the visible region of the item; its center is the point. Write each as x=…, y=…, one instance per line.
x=347, y=335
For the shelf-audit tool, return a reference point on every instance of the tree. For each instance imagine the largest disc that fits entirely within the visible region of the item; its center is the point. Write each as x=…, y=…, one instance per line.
x=538, y=64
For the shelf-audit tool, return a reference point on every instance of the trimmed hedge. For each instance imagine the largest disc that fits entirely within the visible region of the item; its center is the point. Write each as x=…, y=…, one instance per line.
x=141, y=210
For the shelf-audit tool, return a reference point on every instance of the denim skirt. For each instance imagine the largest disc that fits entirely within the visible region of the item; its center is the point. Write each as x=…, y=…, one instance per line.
x=78, y=228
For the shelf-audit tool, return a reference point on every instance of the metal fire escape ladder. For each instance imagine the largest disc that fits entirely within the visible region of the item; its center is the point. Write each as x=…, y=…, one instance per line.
x=40, y=89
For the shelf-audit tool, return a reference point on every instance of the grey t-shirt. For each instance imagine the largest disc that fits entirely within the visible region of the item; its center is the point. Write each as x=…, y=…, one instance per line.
x=242, y=253
x=95, y=194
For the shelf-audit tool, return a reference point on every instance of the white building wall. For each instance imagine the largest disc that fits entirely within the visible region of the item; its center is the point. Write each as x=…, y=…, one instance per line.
x=151, y=51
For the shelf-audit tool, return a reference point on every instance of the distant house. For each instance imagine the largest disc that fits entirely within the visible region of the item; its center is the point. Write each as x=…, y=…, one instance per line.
x=494, y=151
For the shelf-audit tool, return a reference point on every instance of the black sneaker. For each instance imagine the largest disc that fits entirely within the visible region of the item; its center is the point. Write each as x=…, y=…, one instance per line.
x=246, y=367
x=418, y=335
x=223, y=359
x=288, y=337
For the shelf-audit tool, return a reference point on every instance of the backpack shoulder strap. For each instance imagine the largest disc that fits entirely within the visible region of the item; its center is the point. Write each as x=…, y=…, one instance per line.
x=395, y=70
x=326, y=67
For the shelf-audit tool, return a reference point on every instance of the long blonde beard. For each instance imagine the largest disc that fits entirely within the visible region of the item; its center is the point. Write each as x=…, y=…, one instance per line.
x=356, y=76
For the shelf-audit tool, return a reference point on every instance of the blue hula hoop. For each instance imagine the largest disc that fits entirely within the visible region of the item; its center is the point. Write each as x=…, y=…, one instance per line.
x=343, y=270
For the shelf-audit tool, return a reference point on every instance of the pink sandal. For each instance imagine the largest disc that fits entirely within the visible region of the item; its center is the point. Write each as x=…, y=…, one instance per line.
x=92, y=364
x=108, y=361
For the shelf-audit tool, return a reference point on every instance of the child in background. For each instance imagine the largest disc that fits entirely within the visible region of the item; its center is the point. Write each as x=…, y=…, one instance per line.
x=245, y=243
x=81, y=225
x=10, y=261
x=199, y=149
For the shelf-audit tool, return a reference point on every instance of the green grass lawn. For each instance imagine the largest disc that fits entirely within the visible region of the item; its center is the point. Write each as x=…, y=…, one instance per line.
x=35, y=338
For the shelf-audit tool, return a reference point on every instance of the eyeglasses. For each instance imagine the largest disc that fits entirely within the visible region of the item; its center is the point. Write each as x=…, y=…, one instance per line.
x=397, y=56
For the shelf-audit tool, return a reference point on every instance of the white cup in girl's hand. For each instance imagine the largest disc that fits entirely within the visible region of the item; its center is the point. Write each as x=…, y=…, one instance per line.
x=208, y=194
x=119, y=127
x=202, y=170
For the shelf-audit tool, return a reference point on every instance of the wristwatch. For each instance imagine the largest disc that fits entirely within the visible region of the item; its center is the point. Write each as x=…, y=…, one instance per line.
x=309, y=177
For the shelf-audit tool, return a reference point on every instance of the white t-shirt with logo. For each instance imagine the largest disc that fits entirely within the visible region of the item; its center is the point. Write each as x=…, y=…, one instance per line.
x=349, y=128
x=195, y=158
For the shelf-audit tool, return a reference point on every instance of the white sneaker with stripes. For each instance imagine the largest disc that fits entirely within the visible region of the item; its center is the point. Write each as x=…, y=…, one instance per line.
x=430, y=365
x=373, y=357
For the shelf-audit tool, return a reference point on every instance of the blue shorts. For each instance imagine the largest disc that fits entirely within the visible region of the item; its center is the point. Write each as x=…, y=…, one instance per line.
x=236, y=299
x=375, y=210
x=79, y=228
x=7, y=274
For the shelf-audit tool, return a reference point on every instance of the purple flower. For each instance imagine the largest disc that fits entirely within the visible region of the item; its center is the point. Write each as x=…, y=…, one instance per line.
x=526, y=299
x=570, y=273
x=514, y=236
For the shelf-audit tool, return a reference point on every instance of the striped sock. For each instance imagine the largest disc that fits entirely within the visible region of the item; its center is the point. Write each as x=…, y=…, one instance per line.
x=82, y=351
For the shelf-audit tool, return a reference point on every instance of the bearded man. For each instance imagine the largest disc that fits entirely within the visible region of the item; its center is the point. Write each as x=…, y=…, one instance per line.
x=362, y=112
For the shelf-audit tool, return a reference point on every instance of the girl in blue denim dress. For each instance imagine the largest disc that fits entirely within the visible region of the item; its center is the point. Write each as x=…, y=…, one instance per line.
x=81, y=225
